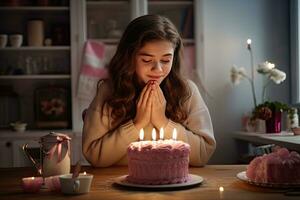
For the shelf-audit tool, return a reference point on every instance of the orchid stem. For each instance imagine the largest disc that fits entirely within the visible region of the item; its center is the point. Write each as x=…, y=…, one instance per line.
x=264, y=90
x=252, y=76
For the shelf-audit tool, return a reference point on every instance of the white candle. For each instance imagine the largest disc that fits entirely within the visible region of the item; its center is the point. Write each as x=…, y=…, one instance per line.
x=153, y=134
x=221, y=190
x=161, y=134
x=174, y=135
x=141, y=137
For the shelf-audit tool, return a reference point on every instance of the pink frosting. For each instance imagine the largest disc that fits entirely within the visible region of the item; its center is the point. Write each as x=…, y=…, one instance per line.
x=281, y=166
x=159, y=162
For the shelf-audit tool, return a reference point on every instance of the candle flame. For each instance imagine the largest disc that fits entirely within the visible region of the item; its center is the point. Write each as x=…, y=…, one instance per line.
x=84, y=173
x=32, y=178
x=249, y=41
x=174, y=136
x=161, y=133
x=142, y=134
x=153, y=134
x=221, y=189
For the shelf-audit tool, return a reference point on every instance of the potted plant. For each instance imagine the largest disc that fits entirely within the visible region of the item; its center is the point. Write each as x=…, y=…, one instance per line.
x=267, y=110
x=271, y=112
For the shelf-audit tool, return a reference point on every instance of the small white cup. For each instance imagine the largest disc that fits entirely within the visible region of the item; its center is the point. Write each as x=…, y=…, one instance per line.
x=16, y=40
x=78, y=185
x=3, y=40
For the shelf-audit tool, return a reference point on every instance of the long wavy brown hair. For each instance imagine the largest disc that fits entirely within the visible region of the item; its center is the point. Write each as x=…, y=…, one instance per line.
x=125, y=87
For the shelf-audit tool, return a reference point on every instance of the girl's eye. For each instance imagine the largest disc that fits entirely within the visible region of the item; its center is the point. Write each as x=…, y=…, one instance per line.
x=165, y=61
x=146, y=61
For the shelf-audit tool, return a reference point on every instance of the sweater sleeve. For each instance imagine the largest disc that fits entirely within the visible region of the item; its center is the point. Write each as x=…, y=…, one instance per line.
x=197, y=130
x=100, y=146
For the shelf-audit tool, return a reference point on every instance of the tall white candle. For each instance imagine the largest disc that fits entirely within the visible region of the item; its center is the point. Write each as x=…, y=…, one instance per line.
x=153, y=134
x=141, y=137
x=161, y=134
x=174, y=135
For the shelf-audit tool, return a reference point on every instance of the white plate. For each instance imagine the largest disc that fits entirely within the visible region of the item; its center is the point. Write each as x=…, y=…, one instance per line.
x=193, y=180
x=242, y=176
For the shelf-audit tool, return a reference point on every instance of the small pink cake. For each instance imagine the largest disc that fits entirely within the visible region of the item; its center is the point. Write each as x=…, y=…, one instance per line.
x=281, y=166
x=159, y=162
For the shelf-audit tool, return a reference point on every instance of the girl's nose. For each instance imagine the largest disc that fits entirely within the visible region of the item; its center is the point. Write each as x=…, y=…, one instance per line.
x=157, y=66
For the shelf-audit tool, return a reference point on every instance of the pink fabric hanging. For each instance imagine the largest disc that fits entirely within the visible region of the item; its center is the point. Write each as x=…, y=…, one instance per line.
x=95, y=57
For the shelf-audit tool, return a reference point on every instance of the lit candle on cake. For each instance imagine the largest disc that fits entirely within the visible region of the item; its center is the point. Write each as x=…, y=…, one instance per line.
x=32, y=184
x=154, y=136
x=174, y=135
x=141, y=137
x=161, y=134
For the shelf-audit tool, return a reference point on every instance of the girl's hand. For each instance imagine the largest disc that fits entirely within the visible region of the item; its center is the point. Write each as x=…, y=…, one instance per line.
x=158, y=116
x=143, y=108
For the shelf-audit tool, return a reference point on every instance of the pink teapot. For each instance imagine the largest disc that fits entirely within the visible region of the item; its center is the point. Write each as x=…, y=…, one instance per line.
x=54, y=155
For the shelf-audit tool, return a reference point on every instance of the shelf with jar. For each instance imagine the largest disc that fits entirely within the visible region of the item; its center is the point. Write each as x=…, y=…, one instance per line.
x=35, y=64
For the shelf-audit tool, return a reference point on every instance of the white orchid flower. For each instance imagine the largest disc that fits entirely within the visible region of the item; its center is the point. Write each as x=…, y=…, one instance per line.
x=277, y=76
x=237, y=74
x=265, y=67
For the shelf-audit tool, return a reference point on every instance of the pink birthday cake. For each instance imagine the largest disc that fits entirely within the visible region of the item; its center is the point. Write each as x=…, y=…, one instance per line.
x=159, y=162
x=281, y=166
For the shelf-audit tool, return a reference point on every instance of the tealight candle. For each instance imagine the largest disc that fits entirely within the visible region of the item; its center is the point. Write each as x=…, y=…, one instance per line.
x=32, y=184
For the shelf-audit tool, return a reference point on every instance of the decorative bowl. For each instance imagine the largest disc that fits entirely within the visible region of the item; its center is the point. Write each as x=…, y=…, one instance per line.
x=18, y=126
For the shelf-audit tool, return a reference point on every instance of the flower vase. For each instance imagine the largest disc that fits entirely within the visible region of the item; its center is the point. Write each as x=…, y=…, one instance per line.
x=273, y=125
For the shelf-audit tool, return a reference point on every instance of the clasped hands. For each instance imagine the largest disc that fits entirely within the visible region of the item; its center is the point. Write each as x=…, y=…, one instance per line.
x=151, y=107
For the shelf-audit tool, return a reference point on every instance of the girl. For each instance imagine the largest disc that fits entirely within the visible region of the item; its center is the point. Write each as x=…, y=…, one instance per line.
x=145, y=90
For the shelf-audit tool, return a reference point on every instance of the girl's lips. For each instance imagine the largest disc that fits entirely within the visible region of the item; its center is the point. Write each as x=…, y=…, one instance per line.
x=154, y=77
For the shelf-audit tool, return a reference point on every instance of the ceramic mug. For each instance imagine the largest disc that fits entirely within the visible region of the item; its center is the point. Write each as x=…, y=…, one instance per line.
x=3, y=40
x=78, y=185
x=16, y=40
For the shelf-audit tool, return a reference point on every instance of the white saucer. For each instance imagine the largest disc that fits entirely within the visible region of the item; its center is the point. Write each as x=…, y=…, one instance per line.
x=243, y=177
x=193, y=180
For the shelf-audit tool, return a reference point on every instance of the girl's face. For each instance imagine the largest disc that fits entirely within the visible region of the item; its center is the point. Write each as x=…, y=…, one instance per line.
x=154, y=61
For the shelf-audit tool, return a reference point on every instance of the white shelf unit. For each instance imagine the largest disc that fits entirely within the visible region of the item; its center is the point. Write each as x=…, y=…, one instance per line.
x=26, y=68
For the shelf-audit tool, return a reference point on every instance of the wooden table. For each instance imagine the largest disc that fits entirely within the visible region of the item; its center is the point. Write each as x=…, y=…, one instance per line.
x=103, y=187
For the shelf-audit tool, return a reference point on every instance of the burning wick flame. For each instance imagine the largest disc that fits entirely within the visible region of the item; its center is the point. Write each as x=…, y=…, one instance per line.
x=249, y=41
x=221, y=189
